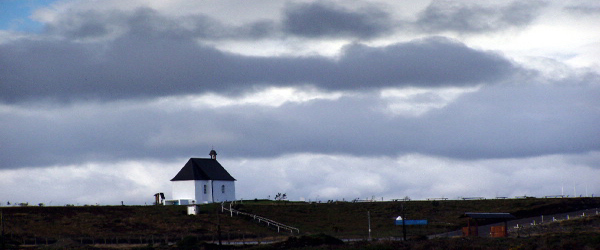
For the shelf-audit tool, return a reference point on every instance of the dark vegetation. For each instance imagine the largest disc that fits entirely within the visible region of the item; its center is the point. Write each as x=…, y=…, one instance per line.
x=126, y=225
x=320, y=224
x=349, y=220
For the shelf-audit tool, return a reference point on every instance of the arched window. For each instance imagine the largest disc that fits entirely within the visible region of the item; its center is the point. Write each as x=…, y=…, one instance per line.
x=222, y=188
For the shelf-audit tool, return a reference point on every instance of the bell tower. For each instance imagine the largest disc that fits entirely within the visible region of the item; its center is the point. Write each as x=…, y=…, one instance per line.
x=213, y=154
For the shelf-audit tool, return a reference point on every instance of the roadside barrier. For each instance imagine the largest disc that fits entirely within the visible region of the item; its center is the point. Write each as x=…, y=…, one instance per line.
x=269, y=222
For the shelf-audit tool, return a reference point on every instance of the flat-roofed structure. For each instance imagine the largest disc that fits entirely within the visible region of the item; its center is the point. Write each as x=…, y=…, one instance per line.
x=472, y=228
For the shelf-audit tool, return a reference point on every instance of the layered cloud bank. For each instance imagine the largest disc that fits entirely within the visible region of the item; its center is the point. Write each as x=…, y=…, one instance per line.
x=134, y=67
x=321, y=100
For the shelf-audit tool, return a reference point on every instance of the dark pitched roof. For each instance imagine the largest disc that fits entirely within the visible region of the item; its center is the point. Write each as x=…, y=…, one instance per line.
x=202, y=169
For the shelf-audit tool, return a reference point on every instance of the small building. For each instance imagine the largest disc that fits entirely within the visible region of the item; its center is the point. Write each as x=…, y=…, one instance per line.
x=159, y=198
x=193, y=209
x=472, y=228
x=202, y=180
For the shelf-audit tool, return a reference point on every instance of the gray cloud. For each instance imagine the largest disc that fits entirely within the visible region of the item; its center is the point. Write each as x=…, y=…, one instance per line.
x=430, y=62
x=322, y=19
x=463, y=18
x=108, y=97
x=143, y=65
x=308, y=177
x=517, y=121
x=578, y=8
x=503, y=121
x=495, y=122
x=94, y=24
x=84, y=24
x=313, y=20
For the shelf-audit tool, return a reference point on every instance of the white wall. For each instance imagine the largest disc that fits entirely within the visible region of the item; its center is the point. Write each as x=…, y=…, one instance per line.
x=194, y=190
x=229, y=194
x=183, y=190
x=201, y=197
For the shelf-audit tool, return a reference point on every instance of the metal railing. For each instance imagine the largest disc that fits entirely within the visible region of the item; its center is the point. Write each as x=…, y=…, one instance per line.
x=280, y=226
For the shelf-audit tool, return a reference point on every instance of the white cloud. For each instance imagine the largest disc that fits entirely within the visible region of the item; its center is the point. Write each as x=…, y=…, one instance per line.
x=418, y=101
x=312, y=177
x=105, y=183
x=557, y=34
x=324, y=177
x=270, y=97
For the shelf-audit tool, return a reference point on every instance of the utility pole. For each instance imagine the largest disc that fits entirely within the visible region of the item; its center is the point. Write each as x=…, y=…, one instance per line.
x=219, y=226
x=403, y=222
x=2, y=222
x=369, y=219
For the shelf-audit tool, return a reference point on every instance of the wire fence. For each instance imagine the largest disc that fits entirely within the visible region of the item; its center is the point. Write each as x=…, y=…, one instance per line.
x=269, y=222
x=514, y=227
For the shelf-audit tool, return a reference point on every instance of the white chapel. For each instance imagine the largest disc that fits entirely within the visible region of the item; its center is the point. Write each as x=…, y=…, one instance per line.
x=202, y=180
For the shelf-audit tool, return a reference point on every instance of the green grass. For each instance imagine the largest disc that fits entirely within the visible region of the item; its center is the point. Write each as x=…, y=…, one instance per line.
x=110, y=222
x=349, y=220
x=339, y=219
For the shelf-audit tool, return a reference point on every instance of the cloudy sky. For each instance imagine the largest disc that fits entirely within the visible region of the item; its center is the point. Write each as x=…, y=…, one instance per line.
x=104, y=101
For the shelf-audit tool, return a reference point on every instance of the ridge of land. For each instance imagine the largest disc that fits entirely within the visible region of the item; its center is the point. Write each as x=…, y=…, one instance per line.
x=344, y=220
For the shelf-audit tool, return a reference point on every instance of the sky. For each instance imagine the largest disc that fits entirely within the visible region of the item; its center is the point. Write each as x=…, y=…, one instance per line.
x=104, y=101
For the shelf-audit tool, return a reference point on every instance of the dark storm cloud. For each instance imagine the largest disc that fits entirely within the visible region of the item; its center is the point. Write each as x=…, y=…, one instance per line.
x=313, y=20
x=465, y=18
x=496, y=122
x=321, y=19
x=501, y=121
x=517, y=121
x=430, y=62
x=146, y=64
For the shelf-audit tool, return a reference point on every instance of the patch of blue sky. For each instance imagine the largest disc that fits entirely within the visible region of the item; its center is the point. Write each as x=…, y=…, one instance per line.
x=15, y=15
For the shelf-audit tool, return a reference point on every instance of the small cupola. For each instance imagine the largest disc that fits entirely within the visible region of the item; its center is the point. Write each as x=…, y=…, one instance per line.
x=213, y=154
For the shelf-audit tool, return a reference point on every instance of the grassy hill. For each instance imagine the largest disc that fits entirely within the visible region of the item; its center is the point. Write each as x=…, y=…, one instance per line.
x=349, y=220
x=155, y=224
x=123, y=224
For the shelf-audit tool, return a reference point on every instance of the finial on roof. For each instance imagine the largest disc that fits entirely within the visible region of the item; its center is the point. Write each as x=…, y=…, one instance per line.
x=213, y=154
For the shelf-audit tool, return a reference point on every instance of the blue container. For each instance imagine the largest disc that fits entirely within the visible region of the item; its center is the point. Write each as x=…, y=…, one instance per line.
x=411, y=222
